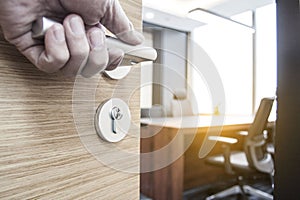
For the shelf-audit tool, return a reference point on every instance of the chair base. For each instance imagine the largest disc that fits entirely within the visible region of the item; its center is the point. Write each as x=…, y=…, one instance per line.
x=244, y=189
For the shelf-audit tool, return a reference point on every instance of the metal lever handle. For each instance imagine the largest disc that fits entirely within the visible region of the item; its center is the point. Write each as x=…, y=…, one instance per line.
x=133, y=54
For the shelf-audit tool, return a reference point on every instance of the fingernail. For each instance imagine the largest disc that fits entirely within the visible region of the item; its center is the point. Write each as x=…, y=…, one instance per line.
x=77, y=26
x=96, y=39
x=59, y=33
x=140, y=37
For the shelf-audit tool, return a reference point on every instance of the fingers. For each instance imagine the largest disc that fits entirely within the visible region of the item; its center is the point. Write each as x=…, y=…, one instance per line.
x=56, y=53
x=77, y=44
x=98, y=57
x=66, y=48
x=50, y=56
x=107, y=12
x=88, y=52
x=73, y=51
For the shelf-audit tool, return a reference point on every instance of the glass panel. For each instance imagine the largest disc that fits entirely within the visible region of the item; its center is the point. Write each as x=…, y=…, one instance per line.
x=230, y=48
x=266, y=70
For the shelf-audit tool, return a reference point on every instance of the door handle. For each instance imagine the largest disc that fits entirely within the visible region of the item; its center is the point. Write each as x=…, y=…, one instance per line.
x=134, y=54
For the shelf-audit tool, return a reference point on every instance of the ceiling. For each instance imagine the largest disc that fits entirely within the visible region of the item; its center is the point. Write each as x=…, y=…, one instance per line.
x=173, y=13
x=223, y=7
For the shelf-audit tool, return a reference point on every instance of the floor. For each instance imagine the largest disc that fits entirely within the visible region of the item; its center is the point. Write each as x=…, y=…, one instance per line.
x=201, y=192
x=143, y=197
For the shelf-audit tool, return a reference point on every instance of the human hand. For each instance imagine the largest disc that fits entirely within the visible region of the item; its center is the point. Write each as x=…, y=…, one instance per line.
x=70, y=47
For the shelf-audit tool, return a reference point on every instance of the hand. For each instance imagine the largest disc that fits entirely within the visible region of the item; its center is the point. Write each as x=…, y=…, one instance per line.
x=69, y=47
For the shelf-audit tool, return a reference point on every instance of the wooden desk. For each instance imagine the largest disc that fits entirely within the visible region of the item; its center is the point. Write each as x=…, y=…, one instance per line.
x=169, y=138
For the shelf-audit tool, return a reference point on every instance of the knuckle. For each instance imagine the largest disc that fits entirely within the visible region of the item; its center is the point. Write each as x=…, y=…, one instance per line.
x=62, y=58
x=100, y=63
x=51, y=64
x=81, y=52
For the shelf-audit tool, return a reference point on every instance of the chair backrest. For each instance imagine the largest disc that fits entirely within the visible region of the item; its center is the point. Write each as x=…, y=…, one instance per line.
x=180, y=105
x=257, y=156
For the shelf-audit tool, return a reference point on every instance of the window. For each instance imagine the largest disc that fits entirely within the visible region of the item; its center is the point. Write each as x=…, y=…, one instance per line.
x=246, y=80
x=266, y=54
x=230, y=48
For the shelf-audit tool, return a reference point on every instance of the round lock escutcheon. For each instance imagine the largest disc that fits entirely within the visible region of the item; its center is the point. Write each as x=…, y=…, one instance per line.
x=118, y=73
x=112, y=120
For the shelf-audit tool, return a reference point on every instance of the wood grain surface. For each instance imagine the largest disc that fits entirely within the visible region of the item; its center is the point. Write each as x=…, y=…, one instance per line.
x=49, y=152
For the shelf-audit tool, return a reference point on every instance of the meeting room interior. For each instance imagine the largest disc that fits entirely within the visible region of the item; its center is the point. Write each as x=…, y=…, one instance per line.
x=209, y=103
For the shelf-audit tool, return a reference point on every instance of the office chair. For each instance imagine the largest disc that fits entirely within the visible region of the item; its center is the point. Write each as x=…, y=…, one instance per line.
x=253, y=158
x=180, y=105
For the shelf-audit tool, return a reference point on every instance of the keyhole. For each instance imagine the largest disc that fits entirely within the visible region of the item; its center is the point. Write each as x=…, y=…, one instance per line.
x=116, y=114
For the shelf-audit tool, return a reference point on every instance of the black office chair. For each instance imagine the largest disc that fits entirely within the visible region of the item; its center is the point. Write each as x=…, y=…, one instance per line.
x=253, y=158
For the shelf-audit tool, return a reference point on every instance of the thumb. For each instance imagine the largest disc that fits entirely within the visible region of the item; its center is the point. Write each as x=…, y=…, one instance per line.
x=118, y=23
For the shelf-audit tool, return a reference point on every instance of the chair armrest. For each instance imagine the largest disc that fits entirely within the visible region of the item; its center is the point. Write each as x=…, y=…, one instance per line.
x=222, y=139
x=245, y=133
x=226, y=142
x=242, y=133
x=270, y=148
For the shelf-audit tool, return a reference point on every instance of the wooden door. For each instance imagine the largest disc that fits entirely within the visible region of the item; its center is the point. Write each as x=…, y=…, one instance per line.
x=44, y=152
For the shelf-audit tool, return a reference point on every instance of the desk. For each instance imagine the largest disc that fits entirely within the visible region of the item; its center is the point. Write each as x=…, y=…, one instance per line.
x=169, y=138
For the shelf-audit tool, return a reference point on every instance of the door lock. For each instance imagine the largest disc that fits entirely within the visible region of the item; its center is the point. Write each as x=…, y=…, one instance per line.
x=113, y=120
x=116, y=114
